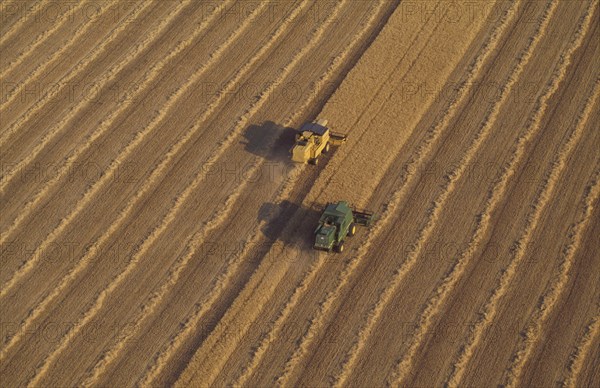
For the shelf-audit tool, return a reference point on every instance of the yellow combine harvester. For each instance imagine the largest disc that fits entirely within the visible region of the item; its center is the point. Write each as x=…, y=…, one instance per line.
x=312, y=140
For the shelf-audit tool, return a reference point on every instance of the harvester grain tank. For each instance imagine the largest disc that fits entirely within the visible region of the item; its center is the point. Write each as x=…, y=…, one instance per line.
x=337, y=222
x=314, y=139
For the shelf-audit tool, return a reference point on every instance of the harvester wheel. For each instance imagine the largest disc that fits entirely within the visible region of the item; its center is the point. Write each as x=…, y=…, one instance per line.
x=326, y=149
x=314, y=161
x=351, y=230
x=339, y=248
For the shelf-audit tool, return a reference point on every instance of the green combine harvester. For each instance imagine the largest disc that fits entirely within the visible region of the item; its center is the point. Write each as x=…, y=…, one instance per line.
x=337, y=222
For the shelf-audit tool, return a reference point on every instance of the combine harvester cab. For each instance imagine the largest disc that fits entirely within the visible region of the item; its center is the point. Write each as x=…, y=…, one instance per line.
x=337, y=222
x=312, y=140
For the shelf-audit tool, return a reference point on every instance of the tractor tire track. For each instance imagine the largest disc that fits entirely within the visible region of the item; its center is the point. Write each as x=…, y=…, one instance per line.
x=534, y=330
x=490, y=308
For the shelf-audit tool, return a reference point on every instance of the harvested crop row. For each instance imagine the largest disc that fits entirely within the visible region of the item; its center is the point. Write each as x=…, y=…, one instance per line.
x=489, y=310
x=435, y=304
x=90, y=194
x=581, y=352
x=534, y=330
x=108, y=175
x=112, y=73
x=214, y=222
x=64, y=81
x=16, y=27
x=41, y=38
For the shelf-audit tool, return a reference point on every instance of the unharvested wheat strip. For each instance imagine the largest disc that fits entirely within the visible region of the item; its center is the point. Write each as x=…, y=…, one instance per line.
x=489, y=310
x=171, y=216
x=16, y=27
x=41, y=38
x=319, y=320
x=581, y=352
x=438, y=205
x=88, y=315
x=17, y=124
x=550, y=299
x=109, y=75
x=386, y=89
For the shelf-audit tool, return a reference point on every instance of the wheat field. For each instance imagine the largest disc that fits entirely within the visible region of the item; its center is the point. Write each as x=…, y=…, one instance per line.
x=154, y=231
